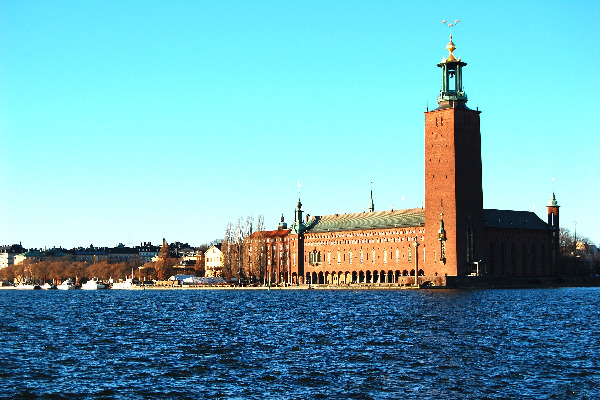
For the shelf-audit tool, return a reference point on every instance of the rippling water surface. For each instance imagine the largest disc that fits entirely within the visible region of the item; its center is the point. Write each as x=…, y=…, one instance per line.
x=309, y=344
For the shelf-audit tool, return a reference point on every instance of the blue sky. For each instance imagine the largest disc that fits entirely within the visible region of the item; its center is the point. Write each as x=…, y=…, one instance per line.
x=130, y=121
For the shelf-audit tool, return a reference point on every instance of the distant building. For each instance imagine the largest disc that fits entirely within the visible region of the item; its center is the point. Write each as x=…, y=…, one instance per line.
x=8, y=253
x=186, y=264
x=122, y=253
x=268, y=251
x=32, y=255
x=90, y=255
x=213, y=261
x=6, y=259
x=147, y=251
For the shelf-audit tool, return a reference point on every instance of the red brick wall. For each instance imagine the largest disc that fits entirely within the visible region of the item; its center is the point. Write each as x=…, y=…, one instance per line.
x=518, y=252
x=340, y=268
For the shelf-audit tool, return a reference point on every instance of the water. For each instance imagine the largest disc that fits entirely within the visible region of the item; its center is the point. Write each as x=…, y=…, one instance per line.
x=311, y=344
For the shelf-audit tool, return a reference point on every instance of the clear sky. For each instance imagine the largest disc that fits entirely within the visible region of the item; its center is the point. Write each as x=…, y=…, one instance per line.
x=130, y=121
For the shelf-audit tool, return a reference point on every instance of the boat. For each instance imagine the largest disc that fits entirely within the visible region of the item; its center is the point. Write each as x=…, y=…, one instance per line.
x=93, y=284
x=126, y=284
x=66, y=285
x=27, y=286
x=48, y=286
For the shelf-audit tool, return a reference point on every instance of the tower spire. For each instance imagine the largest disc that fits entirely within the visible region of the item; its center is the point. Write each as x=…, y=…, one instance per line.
x=372, y=205
x=282, y=223
x=298, y=226
x=452, y=94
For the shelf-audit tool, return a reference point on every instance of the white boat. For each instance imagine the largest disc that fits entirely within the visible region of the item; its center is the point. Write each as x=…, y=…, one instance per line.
x=66, y=285
x=26, y=286
x=93, y=284
x=48, y=286
x=126, y=284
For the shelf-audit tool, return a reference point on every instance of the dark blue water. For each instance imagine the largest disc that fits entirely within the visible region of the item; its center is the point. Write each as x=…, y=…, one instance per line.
x=311, y=344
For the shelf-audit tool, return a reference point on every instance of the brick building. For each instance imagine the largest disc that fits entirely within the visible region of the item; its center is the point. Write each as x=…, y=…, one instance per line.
x=453, y=235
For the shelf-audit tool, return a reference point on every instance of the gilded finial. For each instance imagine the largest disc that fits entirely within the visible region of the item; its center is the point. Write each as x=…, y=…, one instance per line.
x=450, y=46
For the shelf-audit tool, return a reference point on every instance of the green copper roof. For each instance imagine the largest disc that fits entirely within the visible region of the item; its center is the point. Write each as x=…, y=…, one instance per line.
x=367, y=220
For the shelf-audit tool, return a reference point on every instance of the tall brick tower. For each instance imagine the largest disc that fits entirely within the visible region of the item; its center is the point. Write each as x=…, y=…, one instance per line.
x=453, y=190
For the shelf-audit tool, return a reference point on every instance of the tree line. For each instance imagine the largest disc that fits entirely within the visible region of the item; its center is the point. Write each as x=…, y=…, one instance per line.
x=58, y=269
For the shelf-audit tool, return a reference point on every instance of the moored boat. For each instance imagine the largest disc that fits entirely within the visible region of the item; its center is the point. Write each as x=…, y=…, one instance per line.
x=93, y=284
x=27, y=286
x=67, y=285
x=126, y=284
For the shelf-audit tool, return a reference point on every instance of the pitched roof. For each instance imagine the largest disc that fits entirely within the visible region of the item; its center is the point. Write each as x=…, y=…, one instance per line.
x=367, y=220
x=271, y=234
x=509, y=219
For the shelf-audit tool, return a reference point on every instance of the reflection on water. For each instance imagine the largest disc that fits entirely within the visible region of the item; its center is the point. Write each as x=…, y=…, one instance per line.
x=301, y=344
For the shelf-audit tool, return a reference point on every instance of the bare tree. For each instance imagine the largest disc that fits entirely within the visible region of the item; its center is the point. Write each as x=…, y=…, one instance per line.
x=199, y=266
x=260, y=226
x=249, y=226
x=227, y=250
x=577, y=254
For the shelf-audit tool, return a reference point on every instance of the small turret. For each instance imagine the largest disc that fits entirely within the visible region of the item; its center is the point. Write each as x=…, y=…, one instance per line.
x=555, y=234
x=442, y=231
x=298, y=226
x=442, y=239
x=553, y=212
x=282, y=223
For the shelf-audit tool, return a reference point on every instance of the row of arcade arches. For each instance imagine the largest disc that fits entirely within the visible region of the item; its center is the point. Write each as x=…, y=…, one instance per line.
x=357, y=277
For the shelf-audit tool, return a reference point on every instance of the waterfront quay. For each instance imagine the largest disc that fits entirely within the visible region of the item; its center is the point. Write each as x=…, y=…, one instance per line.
x=466, y=283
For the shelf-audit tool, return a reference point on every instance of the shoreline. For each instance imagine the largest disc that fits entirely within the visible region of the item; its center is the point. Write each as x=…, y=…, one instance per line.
x=456, y=283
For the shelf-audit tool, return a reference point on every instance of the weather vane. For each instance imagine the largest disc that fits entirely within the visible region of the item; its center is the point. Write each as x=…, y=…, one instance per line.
x=450, y=24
